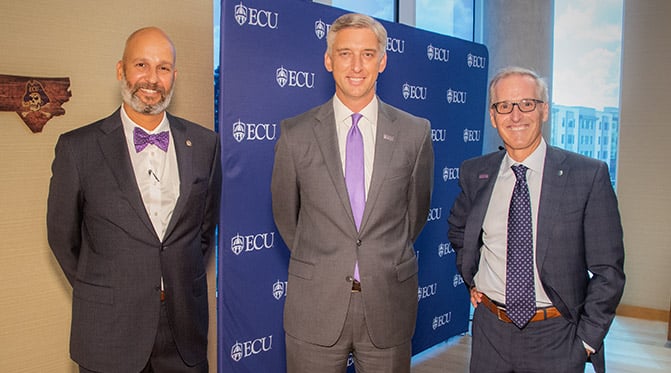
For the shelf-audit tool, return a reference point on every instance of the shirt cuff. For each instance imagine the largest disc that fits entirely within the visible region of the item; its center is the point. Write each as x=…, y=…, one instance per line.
x=588, y=347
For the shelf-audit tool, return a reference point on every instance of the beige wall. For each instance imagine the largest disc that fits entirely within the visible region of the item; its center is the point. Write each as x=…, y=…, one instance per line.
x=644, y=180
x=81, y=40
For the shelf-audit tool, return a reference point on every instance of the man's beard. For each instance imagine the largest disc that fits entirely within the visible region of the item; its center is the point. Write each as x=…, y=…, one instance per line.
x=129, y=97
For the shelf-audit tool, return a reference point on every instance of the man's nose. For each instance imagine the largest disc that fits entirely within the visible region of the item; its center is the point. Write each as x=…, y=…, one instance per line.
x=357, y=63
x=152, y=76
x=517, y=112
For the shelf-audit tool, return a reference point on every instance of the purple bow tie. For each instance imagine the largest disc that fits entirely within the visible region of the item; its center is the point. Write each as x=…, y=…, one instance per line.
x=142, y=139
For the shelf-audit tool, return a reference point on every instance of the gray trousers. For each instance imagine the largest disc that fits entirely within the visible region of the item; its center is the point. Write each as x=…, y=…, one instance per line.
x=304, y=357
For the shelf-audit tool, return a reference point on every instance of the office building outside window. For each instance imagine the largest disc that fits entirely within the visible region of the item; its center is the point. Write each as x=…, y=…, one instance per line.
x=585, y=116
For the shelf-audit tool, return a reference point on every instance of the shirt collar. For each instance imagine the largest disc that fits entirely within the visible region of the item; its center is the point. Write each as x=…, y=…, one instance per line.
x=343, y=113
x=129, y=124
x=534, y=161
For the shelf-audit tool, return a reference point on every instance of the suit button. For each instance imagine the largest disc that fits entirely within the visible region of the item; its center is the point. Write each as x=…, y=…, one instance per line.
x=349, y=278
x=358, y=242
x=163, y=248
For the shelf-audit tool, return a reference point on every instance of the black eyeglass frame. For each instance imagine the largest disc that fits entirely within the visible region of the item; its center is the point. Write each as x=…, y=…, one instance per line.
x=495, y=105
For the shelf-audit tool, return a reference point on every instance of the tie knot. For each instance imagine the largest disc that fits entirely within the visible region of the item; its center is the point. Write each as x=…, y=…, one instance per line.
x=355, y=118
x=520, y=171
x=141, y=139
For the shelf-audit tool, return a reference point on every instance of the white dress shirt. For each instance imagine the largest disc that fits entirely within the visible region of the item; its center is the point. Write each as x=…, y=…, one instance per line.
x=156, y=173
x=368, y=127
x=491, y=276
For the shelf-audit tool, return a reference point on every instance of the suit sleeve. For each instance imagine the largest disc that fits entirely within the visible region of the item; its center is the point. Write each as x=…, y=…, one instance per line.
x=421, y=184
x=284, y=189
x=604, y=256
x=64, y=209
x=212, y=203
x=457, y=225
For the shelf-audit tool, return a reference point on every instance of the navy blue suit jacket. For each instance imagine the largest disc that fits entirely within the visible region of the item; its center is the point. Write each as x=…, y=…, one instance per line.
x=104, y=241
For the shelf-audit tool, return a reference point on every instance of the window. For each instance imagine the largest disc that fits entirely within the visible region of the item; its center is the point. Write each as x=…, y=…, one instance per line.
x=381, y=9
x=449, y=17
x=587, y=54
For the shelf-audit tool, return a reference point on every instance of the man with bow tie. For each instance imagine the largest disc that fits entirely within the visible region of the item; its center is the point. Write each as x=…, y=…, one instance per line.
x=132, y=209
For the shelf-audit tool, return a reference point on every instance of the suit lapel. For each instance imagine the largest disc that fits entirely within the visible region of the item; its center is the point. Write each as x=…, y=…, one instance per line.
x=552, y=189
x=183, y=149
x=327, y=141
x=486, y=179
x=386, y=138
x=115, y=149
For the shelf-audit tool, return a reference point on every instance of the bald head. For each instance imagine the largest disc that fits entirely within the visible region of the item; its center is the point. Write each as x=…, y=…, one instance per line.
x=147, y=74
x=151, y=35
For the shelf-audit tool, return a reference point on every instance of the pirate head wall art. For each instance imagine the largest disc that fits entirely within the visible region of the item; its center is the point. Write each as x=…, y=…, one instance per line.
x=35, y=100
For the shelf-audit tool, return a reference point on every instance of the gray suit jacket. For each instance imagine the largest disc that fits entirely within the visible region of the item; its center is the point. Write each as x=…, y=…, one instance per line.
x=579, y=230
x=312, y=212
x=104, y=241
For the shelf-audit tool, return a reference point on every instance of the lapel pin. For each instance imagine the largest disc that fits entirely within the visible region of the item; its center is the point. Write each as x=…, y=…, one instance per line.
x=561, y=172
x=188, y=143
x=388, y=137
x=483, y=176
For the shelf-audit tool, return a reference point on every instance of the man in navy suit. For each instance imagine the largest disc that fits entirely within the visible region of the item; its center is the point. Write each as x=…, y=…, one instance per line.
x=575, y=256
x=133, y=204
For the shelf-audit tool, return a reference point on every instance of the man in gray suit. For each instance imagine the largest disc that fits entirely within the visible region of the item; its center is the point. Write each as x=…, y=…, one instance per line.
x=351, y=190
x=538, y=239
x=133, y=204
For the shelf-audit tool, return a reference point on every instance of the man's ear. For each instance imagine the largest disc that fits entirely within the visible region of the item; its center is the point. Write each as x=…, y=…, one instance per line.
x=383, y=63
x=328, y=63
x=119, y=70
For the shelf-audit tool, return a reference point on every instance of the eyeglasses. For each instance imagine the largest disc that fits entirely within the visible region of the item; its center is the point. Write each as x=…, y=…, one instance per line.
x=525, y=105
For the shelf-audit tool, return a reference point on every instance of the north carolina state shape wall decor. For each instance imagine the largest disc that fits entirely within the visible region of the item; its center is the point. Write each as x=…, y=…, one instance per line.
x=35, y=100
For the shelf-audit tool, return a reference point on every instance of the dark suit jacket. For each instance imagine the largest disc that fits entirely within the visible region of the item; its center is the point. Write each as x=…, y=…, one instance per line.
x=104, y=241
x=312, y=212
x=579, y=230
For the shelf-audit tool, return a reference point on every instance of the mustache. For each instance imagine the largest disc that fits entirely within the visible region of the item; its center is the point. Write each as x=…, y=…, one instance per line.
x=144, y=85
x=130, y=97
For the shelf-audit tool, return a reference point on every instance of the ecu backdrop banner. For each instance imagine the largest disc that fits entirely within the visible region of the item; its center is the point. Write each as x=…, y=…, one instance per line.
x=272, y=67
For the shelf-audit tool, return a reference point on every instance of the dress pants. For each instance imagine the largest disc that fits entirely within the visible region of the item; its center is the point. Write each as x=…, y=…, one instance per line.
x=304, y=357
x=550, y=345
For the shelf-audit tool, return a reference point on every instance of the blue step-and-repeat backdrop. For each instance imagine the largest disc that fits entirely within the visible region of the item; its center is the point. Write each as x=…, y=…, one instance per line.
x=272, y=67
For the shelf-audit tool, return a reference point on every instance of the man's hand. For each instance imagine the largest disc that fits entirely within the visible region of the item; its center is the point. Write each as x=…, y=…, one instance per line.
x=476, y=296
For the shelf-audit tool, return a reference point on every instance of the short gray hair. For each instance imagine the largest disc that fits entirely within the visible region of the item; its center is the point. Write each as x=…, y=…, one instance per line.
x=357, y=20
x=541, y=85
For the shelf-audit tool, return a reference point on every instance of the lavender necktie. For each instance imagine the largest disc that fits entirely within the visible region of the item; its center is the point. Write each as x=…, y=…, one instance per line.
x=141, y=139
x=354, y=175
x=520, y=293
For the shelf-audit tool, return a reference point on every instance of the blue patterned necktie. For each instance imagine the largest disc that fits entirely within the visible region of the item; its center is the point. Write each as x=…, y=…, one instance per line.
x=355, y=177
x=520, y=293
x=141, y=139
